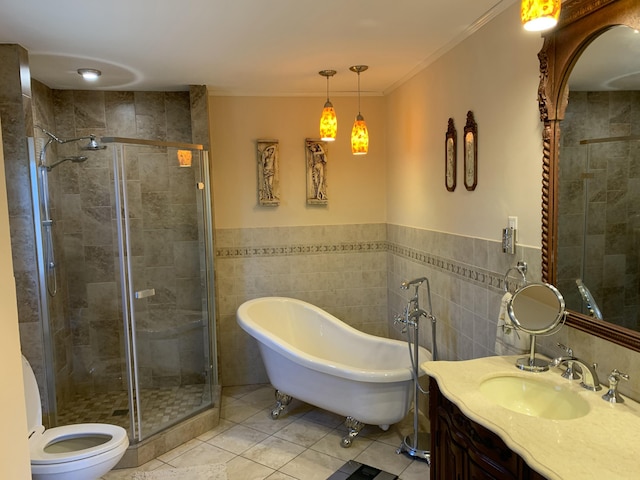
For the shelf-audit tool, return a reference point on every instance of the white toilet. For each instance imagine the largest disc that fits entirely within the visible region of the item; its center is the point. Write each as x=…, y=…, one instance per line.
x=72, y=452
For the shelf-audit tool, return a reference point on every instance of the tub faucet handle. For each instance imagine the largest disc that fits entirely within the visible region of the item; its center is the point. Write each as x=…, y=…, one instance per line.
x=612, y=394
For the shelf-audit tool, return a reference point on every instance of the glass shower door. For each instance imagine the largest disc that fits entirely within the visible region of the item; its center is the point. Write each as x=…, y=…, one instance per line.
x=164, y=233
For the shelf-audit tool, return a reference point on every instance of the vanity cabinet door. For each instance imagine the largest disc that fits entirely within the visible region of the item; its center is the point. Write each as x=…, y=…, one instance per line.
x=464, y=450
x=452, y=458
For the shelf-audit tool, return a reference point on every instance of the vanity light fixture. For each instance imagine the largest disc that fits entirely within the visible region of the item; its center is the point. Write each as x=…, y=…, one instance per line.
x=359, y=133
x=328, y=120
x=539, y=15
x=89, y=74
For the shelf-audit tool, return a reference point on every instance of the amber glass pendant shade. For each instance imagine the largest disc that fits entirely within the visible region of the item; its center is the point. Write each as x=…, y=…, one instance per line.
x=328, y=120
x=539, y=15
x=328, y=123
x=359, y=132
x=359, y=137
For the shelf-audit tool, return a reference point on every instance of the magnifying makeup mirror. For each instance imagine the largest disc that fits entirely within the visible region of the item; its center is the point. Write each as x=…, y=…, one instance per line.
x=536, y=309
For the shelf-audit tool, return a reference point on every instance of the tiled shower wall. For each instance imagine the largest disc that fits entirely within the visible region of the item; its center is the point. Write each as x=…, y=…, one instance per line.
x=600, y=203
x=355, y=272
x=24, y=102
x=160, y=195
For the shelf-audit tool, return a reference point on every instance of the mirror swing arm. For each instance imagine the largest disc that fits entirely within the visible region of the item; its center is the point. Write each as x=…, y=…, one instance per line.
x=581, y=21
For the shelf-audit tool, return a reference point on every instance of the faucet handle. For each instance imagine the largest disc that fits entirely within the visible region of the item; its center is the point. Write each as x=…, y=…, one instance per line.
x=569, y=373
x=612, y=394
x=568, y=350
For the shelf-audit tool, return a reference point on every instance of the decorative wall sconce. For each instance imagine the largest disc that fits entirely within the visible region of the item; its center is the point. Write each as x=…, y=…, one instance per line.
x=539, y=15
x=359, y=133
x=328, y=121
x=184, y=158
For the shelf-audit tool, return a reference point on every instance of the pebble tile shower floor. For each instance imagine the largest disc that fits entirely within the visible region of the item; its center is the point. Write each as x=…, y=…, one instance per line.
x=160, y=406
x=303, y=444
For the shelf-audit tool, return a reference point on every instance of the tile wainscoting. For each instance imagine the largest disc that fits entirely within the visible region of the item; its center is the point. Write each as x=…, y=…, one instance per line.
x=355, y=272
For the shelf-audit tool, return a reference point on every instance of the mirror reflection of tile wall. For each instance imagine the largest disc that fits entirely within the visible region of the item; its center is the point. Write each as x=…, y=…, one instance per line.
x=599, y=208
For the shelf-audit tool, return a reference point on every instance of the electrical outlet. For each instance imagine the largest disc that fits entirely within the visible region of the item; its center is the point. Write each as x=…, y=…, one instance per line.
x=513, y=223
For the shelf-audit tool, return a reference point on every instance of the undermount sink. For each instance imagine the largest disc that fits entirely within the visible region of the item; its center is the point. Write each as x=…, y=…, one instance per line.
x=534, y=397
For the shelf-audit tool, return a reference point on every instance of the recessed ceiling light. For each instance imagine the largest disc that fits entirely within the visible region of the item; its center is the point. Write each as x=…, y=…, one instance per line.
x=89, y=74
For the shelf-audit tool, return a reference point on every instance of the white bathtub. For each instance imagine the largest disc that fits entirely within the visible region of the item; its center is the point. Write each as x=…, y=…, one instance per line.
x=311, y=355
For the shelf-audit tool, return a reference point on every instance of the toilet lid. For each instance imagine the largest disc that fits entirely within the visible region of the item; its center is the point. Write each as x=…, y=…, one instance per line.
x=39, y=441
x=32, y=398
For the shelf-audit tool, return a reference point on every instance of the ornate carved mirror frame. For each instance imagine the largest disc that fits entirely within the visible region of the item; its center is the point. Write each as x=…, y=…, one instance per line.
x=580, y=23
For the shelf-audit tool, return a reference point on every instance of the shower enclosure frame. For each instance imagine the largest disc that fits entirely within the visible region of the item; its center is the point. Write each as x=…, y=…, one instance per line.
x=125, y=274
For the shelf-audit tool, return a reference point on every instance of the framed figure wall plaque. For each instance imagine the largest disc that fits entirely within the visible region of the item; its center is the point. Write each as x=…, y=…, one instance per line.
x=268, y=173
x=316, y=160
x=450, y=157
x=470, y=153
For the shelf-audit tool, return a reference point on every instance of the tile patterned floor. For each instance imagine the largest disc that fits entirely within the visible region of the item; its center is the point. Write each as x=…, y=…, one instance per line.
x=160, y=407
x=304, y=444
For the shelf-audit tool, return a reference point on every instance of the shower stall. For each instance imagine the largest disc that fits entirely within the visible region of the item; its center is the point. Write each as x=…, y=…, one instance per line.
x=124, y=249
x=599, y=228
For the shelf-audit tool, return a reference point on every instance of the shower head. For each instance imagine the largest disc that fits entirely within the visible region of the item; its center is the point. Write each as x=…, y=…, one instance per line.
x=78, y=159
x=93, y=144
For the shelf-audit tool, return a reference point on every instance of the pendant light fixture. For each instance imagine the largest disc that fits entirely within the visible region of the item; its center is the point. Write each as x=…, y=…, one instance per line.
x=359, y=133
x=539, y=15
x=328, y=121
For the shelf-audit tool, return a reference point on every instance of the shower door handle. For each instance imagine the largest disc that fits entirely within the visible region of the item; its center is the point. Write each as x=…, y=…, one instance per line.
x=149, y=292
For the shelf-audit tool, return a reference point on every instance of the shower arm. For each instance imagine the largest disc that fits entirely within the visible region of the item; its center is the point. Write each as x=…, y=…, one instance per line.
x=54, y=138
x=93, y=145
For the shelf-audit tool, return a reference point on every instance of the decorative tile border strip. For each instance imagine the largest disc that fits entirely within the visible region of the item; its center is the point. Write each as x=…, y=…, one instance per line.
x=283, y=250
x=479, y=276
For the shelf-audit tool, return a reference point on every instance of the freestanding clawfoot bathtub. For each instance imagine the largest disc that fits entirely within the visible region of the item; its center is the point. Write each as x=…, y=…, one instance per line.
x=311, y=355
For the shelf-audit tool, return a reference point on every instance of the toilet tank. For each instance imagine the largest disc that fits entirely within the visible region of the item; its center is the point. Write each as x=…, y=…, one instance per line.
x=32, y=397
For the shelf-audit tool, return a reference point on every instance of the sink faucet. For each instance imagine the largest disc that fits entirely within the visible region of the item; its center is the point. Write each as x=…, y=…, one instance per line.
x=590, y=379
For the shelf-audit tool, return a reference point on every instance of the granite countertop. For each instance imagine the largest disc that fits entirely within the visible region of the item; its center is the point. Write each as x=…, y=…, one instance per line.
x=601, y=444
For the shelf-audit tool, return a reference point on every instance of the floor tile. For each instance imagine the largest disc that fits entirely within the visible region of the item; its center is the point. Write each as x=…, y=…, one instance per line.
x=330, y=445
x=201, y=455
x=263, y=422
x=241, y=468
x=303, y=432
x=238, y=439
x=417, y=470
x=281, y=476
x=312, y=465
x=383, y=456
x=273, y=452
x=302, y=444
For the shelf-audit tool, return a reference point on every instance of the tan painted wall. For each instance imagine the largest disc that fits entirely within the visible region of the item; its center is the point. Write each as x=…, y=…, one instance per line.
x=494, y=73
x=356, y=184
x=14, y=452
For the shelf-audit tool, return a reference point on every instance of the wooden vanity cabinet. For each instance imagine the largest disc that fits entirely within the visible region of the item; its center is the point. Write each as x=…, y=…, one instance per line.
x=461, y=449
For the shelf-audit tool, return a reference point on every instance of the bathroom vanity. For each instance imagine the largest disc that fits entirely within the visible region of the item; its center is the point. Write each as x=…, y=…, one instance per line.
x=490, y=420
x=463, y=449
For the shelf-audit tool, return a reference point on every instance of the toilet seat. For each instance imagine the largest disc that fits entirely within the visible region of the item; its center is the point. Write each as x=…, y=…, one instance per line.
x=116, y=436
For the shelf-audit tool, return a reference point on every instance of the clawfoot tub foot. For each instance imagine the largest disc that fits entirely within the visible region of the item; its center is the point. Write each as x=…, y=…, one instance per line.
x=282, y=400
x=353, y=426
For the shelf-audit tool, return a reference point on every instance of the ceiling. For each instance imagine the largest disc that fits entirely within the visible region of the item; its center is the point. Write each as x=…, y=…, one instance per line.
x=238, y=47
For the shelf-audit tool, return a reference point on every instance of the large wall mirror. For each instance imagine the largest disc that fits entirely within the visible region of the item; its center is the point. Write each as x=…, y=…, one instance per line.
x=589, y=99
